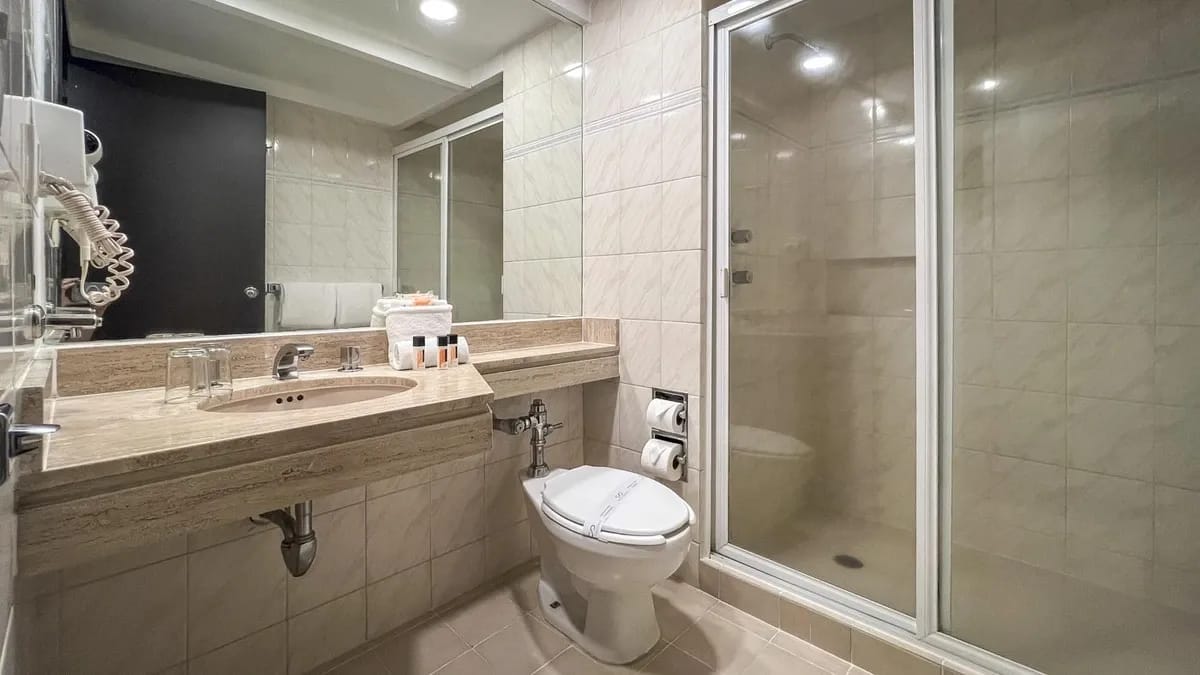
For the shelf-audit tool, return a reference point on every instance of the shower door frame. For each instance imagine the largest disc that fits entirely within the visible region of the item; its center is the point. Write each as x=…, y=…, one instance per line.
x=439, y=138
x=933, y=197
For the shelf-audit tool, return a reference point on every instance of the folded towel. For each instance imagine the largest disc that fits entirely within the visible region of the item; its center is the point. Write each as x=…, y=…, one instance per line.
x=355, y=301
x=305, y=304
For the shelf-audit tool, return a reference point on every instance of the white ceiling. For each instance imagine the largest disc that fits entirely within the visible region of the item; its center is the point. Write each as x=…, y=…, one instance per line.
x=379, y=60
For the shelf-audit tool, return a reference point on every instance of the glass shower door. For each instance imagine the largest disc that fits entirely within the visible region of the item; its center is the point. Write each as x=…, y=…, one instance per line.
x=820, y=336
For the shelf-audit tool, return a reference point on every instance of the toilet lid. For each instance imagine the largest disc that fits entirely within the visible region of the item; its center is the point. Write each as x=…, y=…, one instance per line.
x=617, y=501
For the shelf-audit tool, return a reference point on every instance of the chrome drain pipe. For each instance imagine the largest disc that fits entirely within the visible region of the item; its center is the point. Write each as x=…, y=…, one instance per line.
x=299, y=545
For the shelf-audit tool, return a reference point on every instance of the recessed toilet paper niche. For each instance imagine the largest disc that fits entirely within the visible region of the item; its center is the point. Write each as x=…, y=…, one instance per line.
x=667, y=417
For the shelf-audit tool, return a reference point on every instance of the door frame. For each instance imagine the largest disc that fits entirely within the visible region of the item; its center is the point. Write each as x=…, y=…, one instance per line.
x=441, y=138
x=933, y=199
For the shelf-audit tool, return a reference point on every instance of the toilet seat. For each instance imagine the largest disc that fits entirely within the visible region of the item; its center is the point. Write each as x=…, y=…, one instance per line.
x=645, y=513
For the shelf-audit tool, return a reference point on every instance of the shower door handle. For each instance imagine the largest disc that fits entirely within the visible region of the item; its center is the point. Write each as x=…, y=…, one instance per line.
x=740, y=277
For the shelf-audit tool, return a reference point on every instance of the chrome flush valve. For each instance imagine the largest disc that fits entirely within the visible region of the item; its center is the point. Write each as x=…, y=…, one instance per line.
x=537, y=422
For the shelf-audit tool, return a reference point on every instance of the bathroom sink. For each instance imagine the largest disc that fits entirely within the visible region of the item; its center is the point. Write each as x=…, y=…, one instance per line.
x=308, y=394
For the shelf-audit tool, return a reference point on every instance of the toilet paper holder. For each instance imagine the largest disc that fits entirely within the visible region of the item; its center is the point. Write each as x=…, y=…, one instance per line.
x=675, y=397
x=680, y=438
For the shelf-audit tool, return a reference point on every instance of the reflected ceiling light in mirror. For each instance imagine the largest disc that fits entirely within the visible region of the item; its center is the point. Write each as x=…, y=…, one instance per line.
x=817, y=63
x=737, y=136
x=439, y=10
x=906, y=140
x=987, y=85
x=785, y=154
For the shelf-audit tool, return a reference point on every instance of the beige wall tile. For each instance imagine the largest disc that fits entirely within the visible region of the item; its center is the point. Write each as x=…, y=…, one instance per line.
x=876, y=656
x=507, y=548
x=399, y=599
x=457, y=572
x=397, y=532
x=1109, y=513
x=326, y=632
x=263, y=652
x=234, y=589
x=457, y=511
x=124, y=561
x=830, y=636
x=750, y=597
x=340, y=564
x=129, y=623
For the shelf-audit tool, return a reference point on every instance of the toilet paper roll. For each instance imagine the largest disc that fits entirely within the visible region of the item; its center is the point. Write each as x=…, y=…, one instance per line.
x=665, y=415
x=662, y=459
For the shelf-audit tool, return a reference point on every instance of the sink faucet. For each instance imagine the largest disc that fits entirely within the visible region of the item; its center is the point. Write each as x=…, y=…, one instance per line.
x=288, y=358
x=537, y=422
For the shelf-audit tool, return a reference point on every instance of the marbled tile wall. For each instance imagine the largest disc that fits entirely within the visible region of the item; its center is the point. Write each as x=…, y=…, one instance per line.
x=643, y=223
x=1077, y=292
x=329, y=196
x=221, y=601
x=543, y=89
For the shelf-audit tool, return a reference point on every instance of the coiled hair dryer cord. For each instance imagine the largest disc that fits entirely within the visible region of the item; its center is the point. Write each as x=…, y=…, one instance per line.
x=103, y=233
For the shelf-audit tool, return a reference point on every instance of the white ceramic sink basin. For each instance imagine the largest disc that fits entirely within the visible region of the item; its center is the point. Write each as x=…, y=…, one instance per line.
x=307, y=394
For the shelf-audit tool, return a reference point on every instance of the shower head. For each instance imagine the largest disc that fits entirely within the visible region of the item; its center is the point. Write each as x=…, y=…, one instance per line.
x=770, y=40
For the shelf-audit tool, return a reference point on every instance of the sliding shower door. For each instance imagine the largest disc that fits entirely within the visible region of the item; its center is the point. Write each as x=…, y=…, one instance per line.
x=818, y=321
x=1073, y=542
x=449, y=220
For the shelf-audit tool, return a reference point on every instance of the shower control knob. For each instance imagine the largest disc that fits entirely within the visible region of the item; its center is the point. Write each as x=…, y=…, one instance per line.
x=251, y=292
x=742, y=277
x=741, y=236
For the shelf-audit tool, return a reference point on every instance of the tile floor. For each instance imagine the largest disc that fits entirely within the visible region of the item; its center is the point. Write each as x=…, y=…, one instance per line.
x=500, y=631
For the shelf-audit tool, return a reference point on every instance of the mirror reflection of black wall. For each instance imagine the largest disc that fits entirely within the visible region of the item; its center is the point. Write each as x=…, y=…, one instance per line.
x=184, y=171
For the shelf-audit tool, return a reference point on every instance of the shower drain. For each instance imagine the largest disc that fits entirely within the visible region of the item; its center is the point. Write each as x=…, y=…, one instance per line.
x=848, y=561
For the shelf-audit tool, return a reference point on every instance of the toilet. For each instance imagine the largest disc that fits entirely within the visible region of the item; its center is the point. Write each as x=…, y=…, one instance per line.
x=606, y=537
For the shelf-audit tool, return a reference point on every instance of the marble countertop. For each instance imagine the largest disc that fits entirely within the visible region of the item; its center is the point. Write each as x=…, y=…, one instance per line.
x=128, y=431
x=116, y=435
x=529, y=357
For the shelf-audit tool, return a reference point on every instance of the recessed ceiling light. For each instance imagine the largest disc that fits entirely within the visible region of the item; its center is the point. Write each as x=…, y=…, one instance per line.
x=439, y=10
x=817, y=63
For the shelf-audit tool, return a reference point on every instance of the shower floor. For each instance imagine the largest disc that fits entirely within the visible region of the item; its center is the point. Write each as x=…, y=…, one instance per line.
x=1050, y=621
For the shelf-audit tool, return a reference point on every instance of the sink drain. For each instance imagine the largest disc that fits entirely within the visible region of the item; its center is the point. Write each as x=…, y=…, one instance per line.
x=848, y=561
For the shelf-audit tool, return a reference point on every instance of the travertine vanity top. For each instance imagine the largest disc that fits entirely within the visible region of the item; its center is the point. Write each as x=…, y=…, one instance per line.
x=542, y=355
x=119, y=435
x=128, y=431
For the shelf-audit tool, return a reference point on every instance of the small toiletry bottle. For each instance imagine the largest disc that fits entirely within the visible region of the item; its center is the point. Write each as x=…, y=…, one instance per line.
x=443, y=352
x=418, y=352
x=453, y=356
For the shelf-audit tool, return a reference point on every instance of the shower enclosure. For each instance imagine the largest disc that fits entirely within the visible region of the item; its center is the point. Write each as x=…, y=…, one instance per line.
x=449, y=215
x=957, y=320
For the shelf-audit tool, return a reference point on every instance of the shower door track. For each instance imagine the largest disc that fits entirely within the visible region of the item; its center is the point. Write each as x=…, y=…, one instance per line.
x=933, y=124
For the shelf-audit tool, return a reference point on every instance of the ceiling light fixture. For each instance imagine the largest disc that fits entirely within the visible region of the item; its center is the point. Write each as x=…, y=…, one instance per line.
x=439, y=10
x=817, y=63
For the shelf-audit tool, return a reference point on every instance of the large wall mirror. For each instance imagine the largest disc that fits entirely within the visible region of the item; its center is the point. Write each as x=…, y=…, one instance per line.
x=375, y=146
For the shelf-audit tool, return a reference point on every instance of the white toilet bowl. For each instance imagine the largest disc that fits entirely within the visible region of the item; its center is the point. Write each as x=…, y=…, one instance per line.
x=606, y=537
